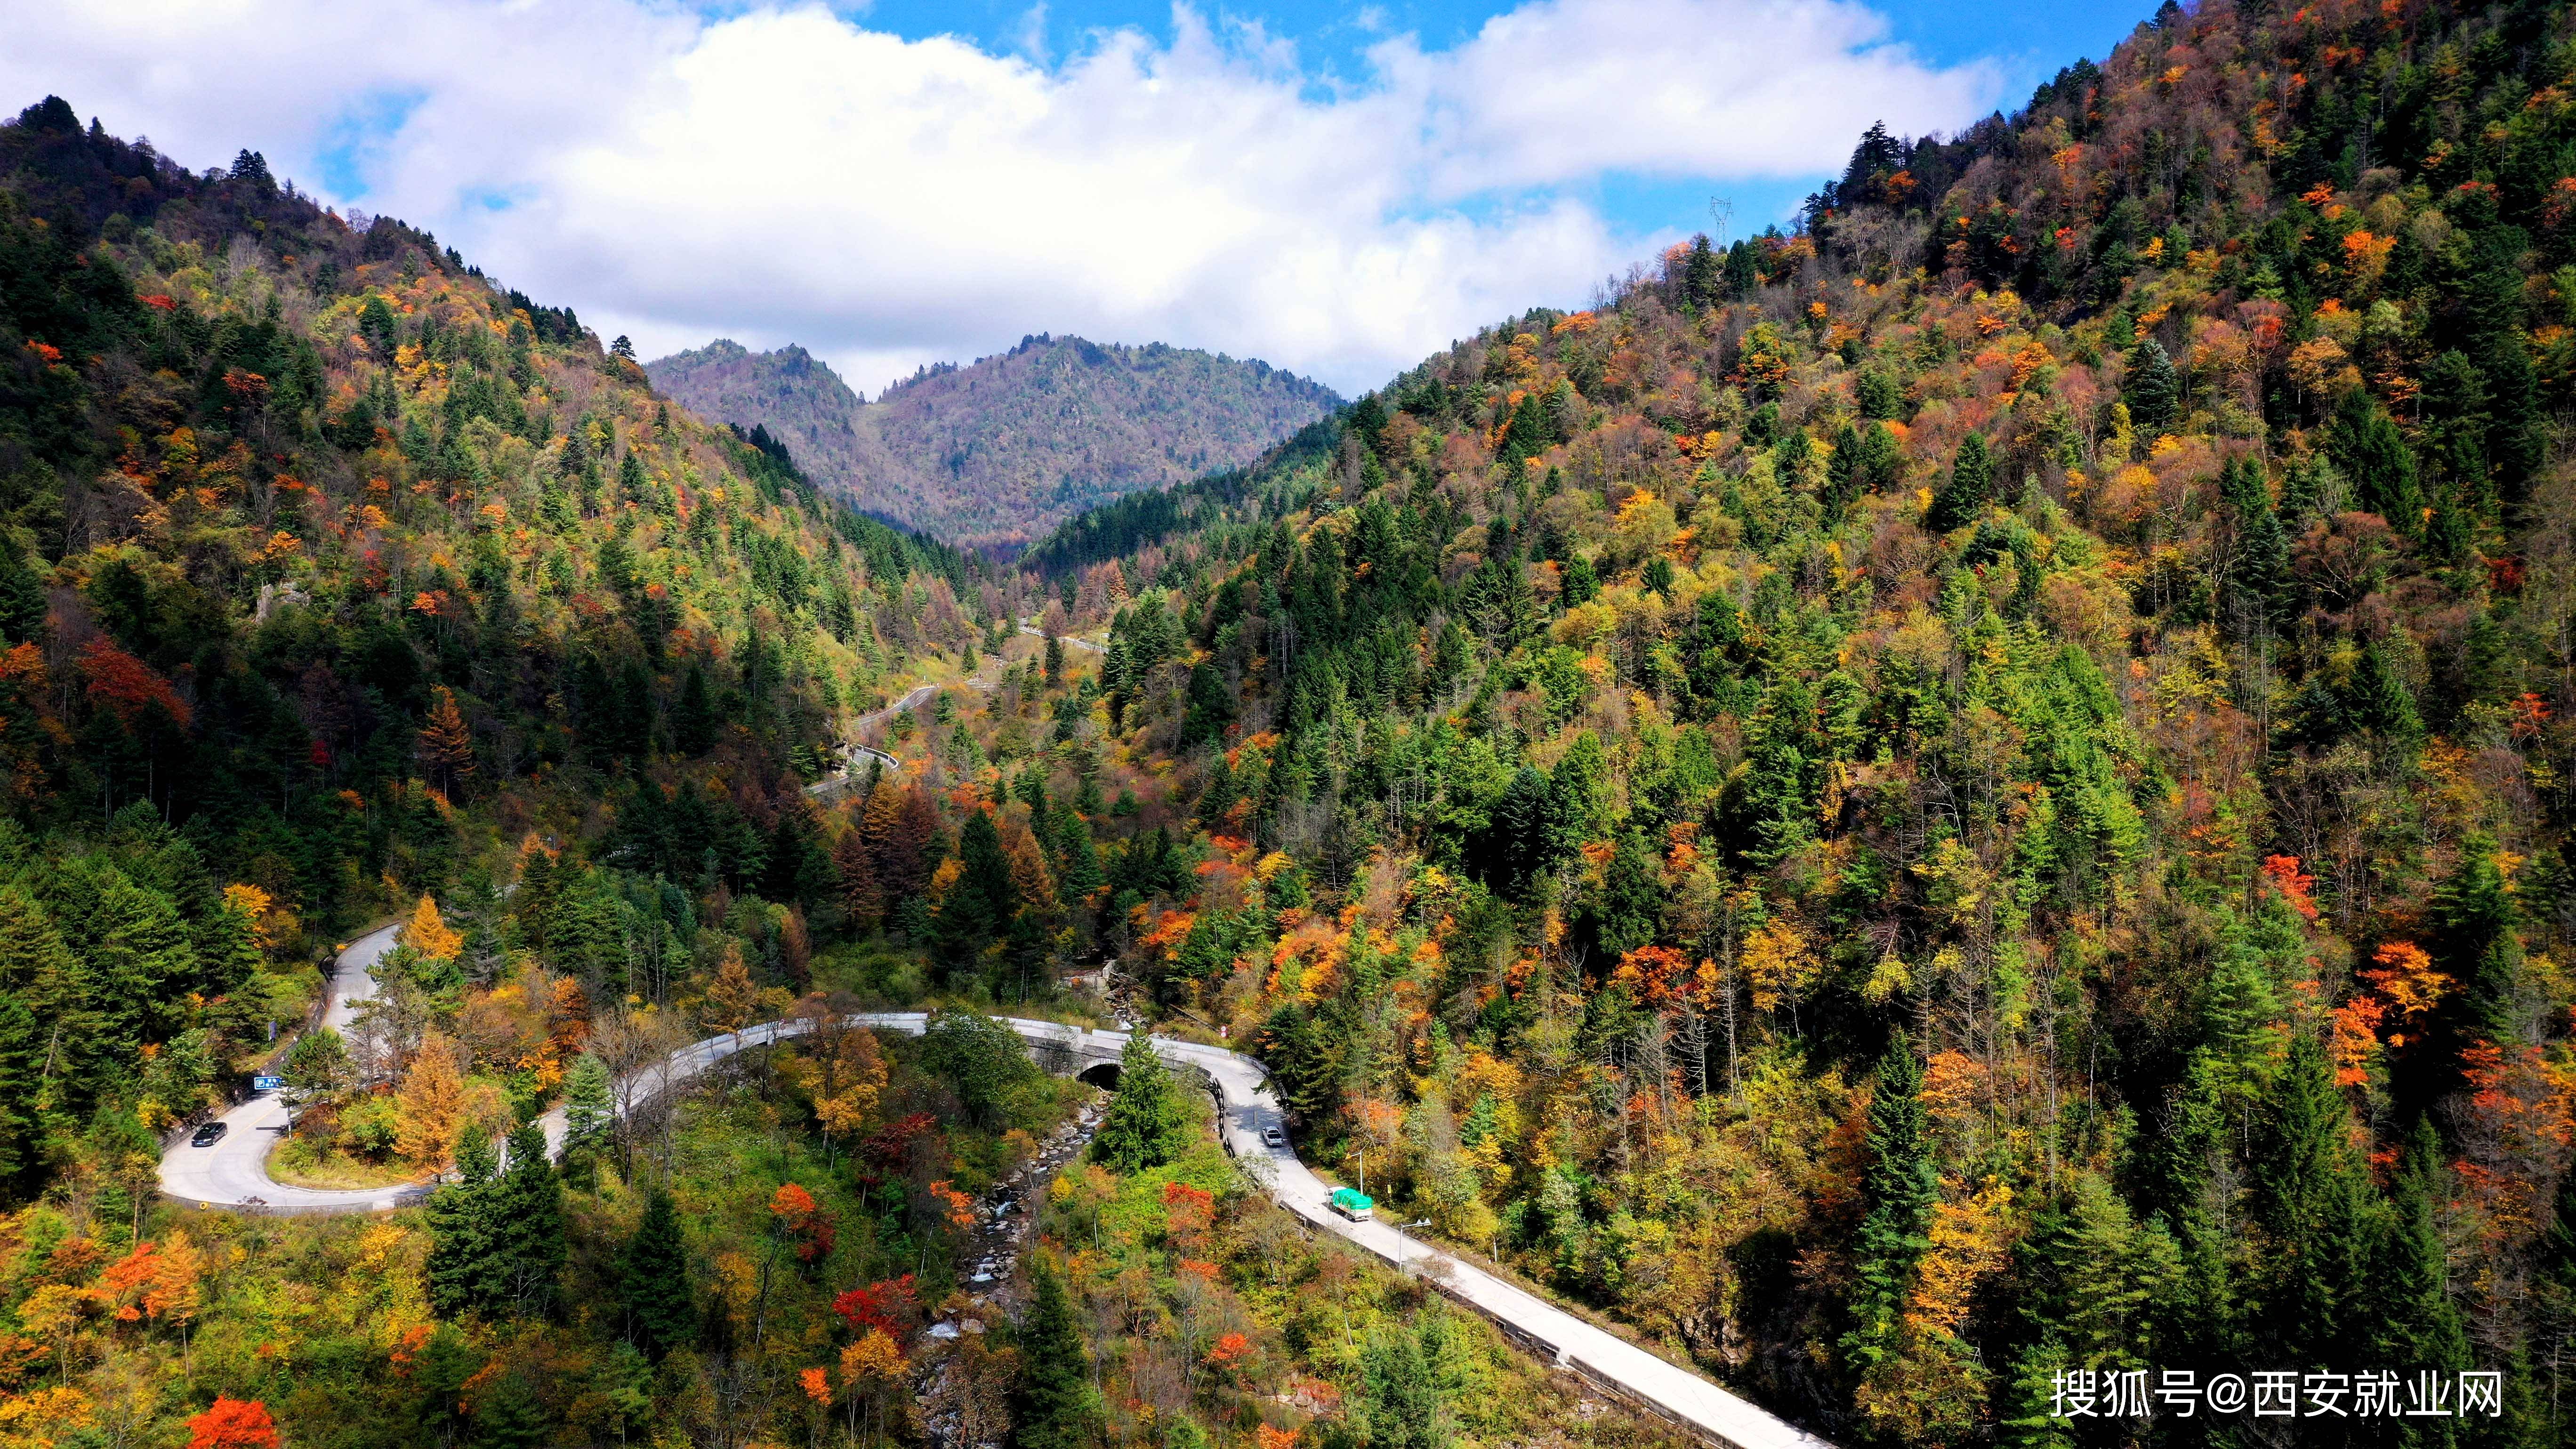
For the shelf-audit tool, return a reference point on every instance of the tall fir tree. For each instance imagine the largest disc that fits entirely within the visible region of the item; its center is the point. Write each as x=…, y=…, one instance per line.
x=2320, y=1219
x=1145, y=1125
x=529, y=1227
x=653, y=1280
x=1972, y=479
x=466, y=1268
x=2259, y=569
x=590, y=1117
x=2151, y=387
x=2412, y=1318
x=1053, y=1405
x=1899, y=1188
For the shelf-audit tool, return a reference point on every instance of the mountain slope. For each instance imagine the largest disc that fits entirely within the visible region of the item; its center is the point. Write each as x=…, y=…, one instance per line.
x=1002, y=450
x=332, y=570
x=1975, y=788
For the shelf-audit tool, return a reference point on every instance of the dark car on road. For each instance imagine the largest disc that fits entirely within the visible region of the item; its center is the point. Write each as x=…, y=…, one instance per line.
x=209, y=1135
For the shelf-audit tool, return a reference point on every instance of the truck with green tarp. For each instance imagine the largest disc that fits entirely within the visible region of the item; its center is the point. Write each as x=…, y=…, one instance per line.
x=1351, y=1204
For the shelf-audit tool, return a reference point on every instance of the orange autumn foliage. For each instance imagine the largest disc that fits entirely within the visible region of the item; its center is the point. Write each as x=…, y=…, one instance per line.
x=2295, y=888
x=233, y=1424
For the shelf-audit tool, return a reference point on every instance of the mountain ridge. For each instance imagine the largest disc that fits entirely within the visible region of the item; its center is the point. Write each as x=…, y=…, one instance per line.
x=993, y=453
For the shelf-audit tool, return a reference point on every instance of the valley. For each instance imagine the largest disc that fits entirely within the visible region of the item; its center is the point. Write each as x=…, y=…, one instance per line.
x=1910, y=822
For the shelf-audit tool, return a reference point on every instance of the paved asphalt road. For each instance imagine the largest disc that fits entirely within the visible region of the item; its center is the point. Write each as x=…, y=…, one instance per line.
x=234, y=1172
x=231, y=1173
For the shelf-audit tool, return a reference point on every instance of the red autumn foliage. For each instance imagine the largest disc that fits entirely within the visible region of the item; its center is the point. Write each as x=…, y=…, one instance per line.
x=127, y=687
x=886, y=1306
x=890, y=1146
x=233, y=1424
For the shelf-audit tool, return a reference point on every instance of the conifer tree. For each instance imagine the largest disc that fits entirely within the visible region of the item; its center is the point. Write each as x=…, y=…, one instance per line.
x=1053, y=1405
x=1145, y=1125
x=653, y=1280
x=2411, y=1312
x=2477, y=945
x=21, y=1054
x=978, y=907
x=694, y=718
x=2151, y=387
x=1899, y=1187
x=589, y=1116
x=1971, y=483
x=2320, y=1219
x=1403, y=1402
x=1843, y=472
x=2372, y=452
x=446, y=744
x=465, y=1266
x=509, y=1415
x=529, y=1226
x=2259, y=570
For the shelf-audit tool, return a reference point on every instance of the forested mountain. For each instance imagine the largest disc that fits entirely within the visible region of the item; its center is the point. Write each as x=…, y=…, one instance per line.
x=1975, y=789
x=326, y=560
x=339, y=585
x=790, y=393
x=995, y=453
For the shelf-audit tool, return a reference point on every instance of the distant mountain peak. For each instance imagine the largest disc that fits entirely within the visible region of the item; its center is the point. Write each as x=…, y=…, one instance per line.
x=1000, y=450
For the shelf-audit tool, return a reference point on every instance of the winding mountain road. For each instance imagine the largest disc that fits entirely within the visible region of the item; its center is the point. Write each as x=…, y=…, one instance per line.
x=234, y=1171
x=233, y=1174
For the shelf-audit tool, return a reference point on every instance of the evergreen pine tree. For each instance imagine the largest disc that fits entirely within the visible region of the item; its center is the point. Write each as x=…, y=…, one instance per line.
x=509, y=1415
x=694, y=719
x=1971, y=483
x=2151, y=387
x=978, y=907
x=22, y=595
x=1843, y=472
x=1403, y=1396
x=2412, y=1316
x=1145, y=1125
x=1899, y=1188
x=21, y=1064
x=2378, y=700
x=653, y=1280
x=2477, y=946
x=529, y=1225
x=589, y=1116
x=2367, y=446
x=1052, y=1402
x=2321, y=1220
x=466, y=1270
x=2259, y=571
x=2554, y=1338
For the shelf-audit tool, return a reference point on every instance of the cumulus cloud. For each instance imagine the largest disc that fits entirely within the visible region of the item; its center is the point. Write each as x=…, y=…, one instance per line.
x=791, y=175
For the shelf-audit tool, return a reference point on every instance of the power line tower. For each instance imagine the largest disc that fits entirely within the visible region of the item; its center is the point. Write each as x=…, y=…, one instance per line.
x=1721, y=212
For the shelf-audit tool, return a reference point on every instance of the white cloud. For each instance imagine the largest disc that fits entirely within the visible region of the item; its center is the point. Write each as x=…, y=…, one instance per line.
x=789, y=175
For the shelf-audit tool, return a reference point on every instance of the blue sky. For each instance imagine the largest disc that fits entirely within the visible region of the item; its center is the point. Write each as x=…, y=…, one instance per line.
x=2028, y=41
x=1339, y=190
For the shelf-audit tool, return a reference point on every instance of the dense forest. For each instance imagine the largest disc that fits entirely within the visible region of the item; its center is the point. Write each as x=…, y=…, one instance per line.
x=1957, y=814
x=342, y=585
x=1971, y=793
x=1001, y=450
